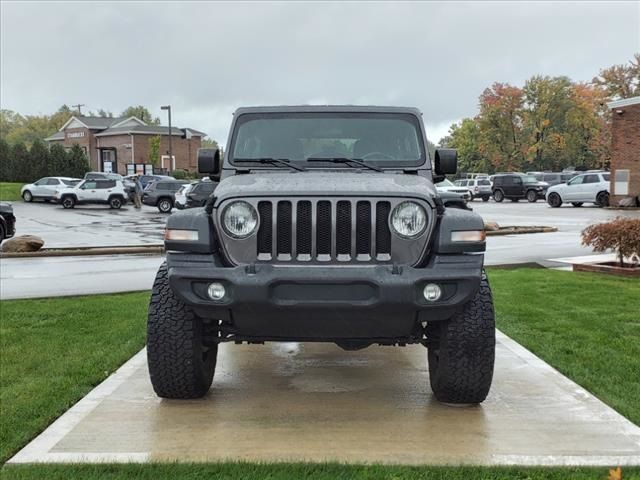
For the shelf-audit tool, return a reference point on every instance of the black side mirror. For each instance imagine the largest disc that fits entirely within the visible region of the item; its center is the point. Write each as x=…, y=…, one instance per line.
x=446, y=163
x=210, y=162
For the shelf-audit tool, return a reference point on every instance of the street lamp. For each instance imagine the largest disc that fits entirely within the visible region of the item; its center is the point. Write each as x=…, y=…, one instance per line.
x=168, y=107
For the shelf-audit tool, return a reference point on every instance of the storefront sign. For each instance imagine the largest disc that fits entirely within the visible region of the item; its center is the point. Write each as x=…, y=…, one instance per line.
x=75, y=134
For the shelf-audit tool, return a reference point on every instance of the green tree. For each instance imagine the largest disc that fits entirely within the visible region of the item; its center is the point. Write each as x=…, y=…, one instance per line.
x=620, y=81
x=465, y=137
x=154, y=150
x=142, y=113
x=6, y=161
x=209, y=143
x=39, y=159
x=78, y=161
x=59, y=161
x=20, y=168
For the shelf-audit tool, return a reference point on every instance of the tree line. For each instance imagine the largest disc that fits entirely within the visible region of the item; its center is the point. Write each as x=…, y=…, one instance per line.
x=549, y=123
x=21, y=164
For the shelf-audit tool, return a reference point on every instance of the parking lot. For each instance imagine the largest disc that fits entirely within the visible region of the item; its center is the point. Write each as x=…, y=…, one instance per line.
x=100, y=226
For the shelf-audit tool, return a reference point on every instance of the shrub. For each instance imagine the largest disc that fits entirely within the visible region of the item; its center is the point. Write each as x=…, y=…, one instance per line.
x=622, y=235
x=179, y=174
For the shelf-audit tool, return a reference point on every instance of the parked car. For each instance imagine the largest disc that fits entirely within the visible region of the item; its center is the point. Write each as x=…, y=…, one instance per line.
x=181, y=196
x=7, y=221
x=199, y=193
x=515, y=186
x=100, y=191
x=127, y=182
x=477, y=187
x=447, y=186
x=585, y=188
x=552, y=178
x=161, y=194
x=46, y=187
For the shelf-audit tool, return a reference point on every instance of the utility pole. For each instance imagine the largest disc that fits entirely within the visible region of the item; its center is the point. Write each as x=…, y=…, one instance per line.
x=168, y=108
x=79, y=107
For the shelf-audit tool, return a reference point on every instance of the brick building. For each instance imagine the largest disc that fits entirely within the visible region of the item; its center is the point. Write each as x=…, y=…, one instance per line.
x=625, y=149
x=121, y=145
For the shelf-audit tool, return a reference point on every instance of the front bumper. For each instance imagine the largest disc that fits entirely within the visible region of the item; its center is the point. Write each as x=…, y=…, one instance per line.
x=372, y=302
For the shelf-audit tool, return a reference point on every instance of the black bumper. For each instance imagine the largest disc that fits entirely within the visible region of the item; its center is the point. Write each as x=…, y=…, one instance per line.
x=374, y=302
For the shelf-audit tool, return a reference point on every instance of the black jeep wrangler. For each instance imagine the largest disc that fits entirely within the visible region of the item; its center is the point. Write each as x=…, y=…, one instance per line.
x=325, y=227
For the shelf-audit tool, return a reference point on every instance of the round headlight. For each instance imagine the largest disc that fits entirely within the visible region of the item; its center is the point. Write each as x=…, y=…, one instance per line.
x=240, y=219
x=408, y=219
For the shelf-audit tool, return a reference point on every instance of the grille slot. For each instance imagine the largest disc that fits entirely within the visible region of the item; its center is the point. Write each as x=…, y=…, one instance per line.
x=383, y=234
x=265, y=232
x=324, y=230
x=284, y=227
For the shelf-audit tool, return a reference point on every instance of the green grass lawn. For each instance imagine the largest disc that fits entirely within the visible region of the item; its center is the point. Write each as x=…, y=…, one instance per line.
x=10, y=191
x=55, y=350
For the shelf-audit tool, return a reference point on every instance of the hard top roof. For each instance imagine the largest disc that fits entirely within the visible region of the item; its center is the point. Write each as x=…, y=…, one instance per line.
x=327, y=108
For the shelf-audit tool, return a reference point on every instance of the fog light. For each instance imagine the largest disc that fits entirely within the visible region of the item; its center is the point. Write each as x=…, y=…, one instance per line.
x=432, y=292
x=216, y=291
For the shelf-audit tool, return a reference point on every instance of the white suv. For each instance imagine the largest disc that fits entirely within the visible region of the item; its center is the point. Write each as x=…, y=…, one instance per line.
x=585, y=188
x=479, y=187
x=109, y=192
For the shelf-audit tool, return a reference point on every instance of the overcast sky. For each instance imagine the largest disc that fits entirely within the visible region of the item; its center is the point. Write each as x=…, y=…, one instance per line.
x=206, y=59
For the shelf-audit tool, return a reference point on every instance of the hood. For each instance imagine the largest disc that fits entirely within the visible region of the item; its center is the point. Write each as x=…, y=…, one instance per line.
x=6, y=207
x=315, y=184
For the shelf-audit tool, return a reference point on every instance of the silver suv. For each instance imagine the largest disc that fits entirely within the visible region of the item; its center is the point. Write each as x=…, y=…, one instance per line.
x=477, y=187
x=106, y=192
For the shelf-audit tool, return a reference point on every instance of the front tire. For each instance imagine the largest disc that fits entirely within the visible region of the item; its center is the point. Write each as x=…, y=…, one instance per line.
x=532, y=196
x=462, y=355
x=27, y=196
x=554, y=200
x=485, y=198
x=68, y=202
x=180, y=364
x=498, y=196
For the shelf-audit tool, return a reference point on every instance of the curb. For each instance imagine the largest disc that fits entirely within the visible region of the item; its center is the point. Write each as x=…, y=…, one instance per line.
x=520, y=230
x=75, y=252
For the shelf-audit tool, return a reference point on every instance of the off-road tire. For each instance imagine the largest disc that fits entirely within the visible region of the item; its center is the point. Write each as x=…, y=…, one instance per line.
x=602, y=199
x=532, y=196
x=68, y=202
x=577, y=204
x=485, y=198
x=165, y=205
x=180, y=366
x=27, y=196
x=498, y=196
x=2, y=234
x=462, y=351
x=554, y=200
x=116, y=202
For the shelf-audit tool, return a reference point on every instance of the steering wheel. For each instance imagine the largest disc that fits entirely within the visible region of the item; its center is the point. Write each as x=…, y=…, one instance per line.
x=385, y=156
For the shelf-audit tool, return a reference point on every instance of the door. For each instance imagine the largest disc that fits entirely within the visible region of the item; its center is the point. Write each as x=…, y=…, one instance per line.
x=52, y=185
x=87, y=191
x=40, y=188
x=573, y=192
x=109, y=161
x=513, y=187
x=590, y=188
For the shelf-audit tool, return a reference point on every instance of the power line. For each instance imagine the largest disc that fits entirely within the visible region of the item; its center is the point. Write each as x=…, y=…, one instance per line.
x=79, y=107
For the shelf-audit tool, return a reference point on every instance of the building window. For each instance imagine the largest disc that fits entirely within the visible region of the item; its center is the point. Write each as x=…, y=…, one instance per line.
x=621, y=183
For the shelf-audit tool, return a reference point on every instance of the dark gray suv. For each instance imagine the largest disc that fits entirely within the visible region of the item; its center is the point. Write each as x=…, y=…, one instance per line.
x=325, y=227
x=162, y=194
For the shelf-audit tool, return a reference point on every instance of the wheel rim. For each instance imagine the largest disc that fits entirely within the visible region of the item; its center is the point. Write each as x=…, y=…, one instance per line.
x=164, y=205
x=531, y=196
x=67, y=203
x=498, y=196
x=115, y=203
x=26, y=196
x=603, y=199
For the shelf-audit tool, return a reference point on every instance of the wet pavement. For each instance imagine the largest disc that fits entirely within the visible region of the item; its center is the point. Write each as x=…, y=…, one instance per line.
x=315, y=402
x=99, y=226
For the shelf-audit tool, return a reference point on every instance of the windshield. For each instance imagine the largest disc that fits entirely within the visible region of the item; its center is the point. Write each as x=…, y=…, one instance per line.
x=386, y=139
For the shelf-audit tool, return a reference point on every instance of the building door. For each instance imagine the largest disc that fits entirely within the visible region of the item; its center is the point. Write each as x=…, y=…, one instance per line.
x=108, y=159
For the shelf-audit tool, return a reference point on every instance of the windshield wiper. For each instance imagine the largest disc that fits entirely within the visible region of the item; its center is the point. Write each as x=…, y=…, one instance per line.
x=346, y=161
x=273, y=161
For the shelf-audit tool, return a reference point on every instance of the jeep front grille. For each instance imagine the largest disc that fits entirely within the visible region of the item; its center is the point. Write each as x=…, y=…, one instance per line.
x=343, y=230
x=323, y=230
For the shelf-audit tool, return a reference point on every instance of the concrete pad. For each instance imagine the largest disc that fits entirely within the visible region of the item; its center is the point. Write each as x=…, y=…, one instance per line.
x=315, y=402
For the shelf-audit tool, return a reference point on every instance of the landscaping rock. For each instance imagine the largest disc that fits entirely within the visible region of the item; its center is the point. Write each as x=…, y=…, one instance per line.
x=628, y=202
x=23, y=243
x=491, y=226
